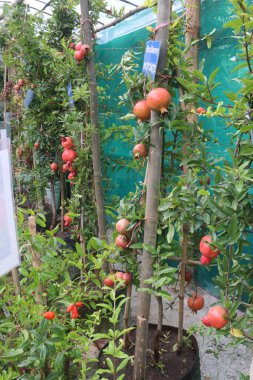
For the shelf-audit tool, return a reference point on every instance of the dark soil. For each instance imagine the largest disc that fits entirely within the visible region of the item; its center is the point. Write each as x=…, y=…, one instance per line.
x=171, y=366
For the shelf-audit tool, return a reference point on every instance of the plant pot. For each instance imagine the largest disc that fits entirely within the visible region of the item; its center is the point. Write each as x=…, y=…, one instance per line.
x=172, y=366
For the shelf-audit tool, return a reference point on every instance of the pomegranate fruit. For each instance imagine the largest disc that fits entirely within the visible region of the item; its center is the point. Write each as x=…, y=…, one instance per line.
x=140, y=150
x=121, y=241
x=21, y=82
x=72, y=46
x=127, y=277
x=121, y=226
x=79, y=304
x=67, y=220
x=108, y=281
x=201, y=111
x=49, y=315
x=85, y=49
x=196, y=302
x=205, y=321
x=142, y=111
x=67, y=142
x=70, y=308
x=36, y=145
x=205, y=248
x=217, y=316
x=188, y=276
x=72, y=175
x=78, y=46
x=54, y=166
x=17, y=87
x=159, y=99
x=79, y=56
x=69, y=155
x=205, y=260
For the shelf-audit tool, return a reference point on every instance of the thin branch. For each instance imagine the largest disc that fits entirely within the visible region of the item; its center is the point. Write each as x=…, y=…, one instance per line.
x=119, y=19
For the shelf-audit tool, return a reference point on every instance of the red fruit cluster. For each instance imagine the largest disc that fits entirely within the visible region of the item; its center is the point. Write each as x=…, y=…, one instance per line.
x=122, y=240
x=81, y=51
x=17, y=86
x=69, y=155
x=110, y=281
x=216, y=317
x=73, y=309
x=157, y=100
x=208, y=253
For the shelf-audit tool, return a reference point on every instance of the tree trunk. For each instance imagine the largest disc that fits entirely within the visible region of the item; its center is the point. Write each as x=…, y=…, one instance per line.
x=152, y=202
x=191, y=34
x=54, y=211
x=86, y=31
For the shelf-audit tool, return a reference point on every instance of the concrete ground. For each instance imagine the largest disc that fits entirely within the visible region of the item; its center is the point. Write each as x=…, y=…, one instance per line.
x=229, y=364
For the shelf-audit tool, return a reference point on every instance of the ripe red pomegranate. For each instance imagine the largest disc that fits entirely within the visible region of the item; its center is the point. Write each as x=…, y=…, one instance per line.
x=78, y=46
x=54, y=166
x=17, y=87
x=69, y=155
x=159, y=99
x=205, y=321
x=121, y=241
x=205, y=260
x=85, y=49
x=72, y=175
x=79, y=56
x=70, y=308
x=79, y=304
x=201, y=111
x=67, y=142
x=140, y=150
x=217, y=316
x=126, y=277
x=72, y=46
x=108, y=281
x=188, y=276
x=67, y=220
x=49, y=315
x=196, y=302
x=121, y=226
x=142, y=110
x=205, y=248
x=36, y=145
x=21, y=82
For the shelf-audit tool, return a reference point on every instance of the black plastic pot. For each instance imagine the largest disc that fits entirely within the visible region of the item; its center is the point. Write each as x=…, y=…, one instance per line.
x=193, y=373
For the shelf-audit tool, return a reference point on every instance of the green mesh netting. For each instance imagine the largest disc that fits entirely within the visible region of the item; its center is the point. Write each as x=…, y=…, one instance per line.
x=132, y=34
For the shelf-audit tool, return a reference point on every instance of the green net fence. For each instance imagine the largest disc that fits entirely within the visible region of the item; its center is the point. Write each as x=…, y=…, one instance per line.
x=132, y=34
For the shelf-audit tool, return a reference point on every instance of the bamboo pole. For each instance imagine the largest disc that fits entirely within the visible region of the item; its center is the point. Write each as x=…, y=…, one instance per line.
x=96, y=153
x=151, y=211
x=191, y=34
x=35, y=258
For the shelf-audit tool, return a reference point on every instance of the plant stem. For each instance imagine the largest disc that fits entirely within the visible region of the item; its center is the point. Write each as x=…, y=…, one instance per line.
x=96, y=153
x=152, y=202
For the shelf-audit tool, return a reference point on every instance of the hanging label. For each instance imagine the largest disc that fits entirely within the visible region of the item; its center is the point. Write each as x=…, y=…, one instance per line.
x=151, y=58
x=70, y=94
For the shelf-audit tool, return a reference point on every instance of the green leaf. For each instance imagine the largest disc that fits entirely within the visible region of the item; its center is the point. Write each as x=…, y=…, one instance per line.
x=171, y=233
x=122, y=364
x=13, y=353
x=233, y=226
x=150, y=249
x=213, y=75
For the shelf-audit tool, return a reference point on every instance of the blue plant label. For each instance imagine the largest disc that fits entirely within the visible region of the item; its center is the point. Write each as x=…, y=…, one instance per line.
x=29, y=98
x=151, y=58
x=70, y=94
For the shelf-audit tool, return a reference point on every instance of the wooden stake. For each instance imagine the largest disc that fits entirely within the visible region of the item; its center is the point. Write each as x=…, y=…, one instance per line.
x=15, y=280
x=151, y=212
x=96, y=159
x=62, y=184
x=191, y=34
x=54, y=211
x=35, y=258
